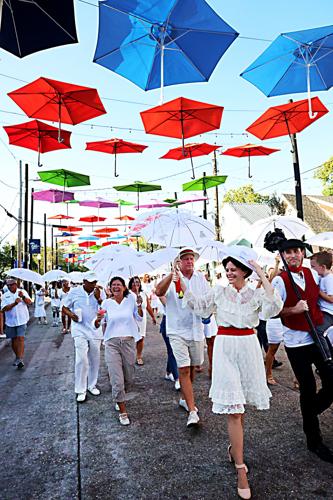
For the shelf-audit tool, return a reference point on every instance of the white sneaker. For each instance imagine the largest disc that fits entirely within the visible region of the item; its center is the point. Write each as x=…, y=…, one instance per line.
x=116, y=407
x=54, y=323
x=123, y=419
x=169, y=376
x=183, y=404
x=177, y=385
x=193, y=418
x=81, y=397
x=94, y=391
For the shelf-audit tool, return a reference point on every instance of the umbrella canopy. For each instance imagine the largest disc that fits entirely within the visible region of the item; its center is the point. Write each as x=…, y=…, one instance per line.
x=101, y=235
x=291, y=226
x=122, y=203
x=98, y=203
x=286, y=119
x=60, y=217
x=114, y=147
x=88, y=238
x=58, y=101
x=76, y=276
x=212, y=251
x=86, y=244
x=125, y=217
x=154, y=204
x=50, y=24
x=248, y=150
x=189, y=151
x=182, y=118
x=53, y=195
x=55, y=275
x=71, y=229
x=324, y=239
x=92, y=218
x=64, y=178
x=204, y=183
x=175, y=228
x=154, y=44
x=138, y=187
x=106, y=230
x=26, y=275
x=297, y=61
x=37, y=136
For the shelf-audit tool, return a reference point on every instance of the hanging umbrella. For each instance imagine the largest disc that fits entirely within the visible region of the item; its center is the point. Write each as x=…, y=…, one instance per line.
x=204, y=183
x=31, y=26
x=58, y=101
x=324, y=239
x=86, y=244
x=153, y=204
x=101, y=235
x=182, y=118
x=60, y=217
x=286, y=119
x=66, y=242
x=114, y=147
x=298, y=61
x=116, y=238
x=248, y=150
x=26, y=275
x=52, y=195
x=291, y=226
x=88, y=238
x=189, y=151
x=176, y=228
x=125, y=217
x=138, y=187
x=155, y=44
x=92, y=219
x=98, y=203
x=122, y=203
x=64, y=178
x=37, y=136
x=106, y=230
x=55, y=275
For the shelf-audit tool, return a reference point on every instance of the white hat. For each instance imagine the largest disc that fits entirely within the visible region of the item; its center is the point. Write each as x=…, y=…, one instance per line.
x=188, y=250
x=242, y=254
x=90, y=276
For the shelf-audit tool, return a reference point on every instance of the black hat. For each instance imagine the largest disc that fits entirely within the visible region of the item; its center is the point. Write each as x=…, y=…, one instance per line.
x=292, y=243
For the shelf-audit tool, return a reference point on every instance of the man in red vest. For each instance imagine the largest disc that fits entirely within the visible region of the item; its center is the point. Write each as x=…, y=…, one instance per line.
x=300, y=347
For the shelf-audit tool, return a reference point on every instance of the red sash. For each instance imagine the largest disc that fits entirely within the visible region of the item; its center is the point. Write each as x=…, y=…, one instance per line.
x=235, y=332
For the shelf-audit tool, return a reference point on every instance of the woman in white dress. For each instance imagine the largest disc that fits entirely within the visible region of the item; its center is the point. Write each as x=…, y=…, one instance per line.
x=238, y=375
x=66, y=320
x=40, y=304
x=135, y=287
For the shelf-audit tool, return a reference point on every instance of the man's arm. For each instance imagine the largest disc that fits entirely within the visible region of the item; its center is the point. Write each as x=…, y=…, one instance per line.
x=69, y=313
x=25, y=297
x=299, y=308
x=325, y=296
x=163, y=286
x=9, y=307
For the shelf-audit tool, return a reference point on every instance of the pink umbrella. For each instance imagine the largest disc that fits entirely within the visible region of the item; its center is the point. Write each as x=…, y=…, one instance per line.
x=53, y=195
x=98, y=203
x=154, y=204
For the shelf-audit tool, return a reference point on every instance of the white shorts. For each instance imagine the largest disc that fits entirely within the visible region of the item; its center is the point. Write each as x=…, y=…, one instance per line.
x=187, y=352
x=274, y=330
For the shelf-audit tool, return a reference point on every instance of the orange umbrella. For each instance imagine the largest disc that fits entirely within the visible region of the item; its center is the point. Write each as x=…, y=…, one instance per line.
x=106, y=230
x=248, y=150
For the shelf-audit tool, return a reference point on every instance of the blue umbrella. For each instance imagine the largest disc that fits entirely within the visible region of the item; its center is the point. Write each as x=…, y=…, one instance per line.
x=88, y=238
x=155, y=44
x=299, y=61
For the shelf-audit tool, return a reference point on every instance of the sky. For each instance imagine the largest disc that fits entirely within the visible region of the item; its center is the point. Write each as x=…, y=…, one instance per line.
x=258, y=23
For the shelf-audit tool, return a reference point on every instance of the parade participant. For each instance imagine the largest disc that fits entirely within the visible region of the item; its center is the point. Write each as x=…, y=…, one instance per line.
x=120, y=313
x=66, y=320
x=238, y=376
x=300, y=347
x=39, y=312
x=55, y=302
x=135, y=287
x=15, y=302
x=171, y=368
x=321, y=262
x=81, y=305
x=185, y=328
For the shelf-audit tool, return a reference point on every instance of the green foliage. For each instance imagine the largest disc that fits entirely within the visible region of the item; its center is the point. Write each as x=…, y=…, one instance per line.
x=5, y=259
x=325, y=175
x=244, y=194
x=276, y=205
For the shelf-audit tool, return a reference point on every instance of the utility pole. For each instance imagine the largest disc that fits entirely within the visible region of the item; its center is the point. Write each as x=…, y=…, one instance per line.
x=52, y=249
x=205, y=196
x=19, y=224
x=56, y=254
x=26, y=207
x=216, y=202
x=45, y=246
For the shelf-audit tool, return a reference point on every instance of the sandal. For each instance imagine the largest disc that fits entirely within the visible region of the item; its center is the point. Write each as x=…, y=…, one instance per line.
x=243, y=492
x=271, y=381
x=123, y=419
x=139, y=362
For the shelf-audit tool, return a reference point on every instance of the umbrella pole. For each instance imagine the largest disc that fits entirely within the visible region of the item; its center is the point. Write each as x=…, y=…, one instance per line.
x=297, y=174
x=312, y=115
x=39, y=163
x=59, y=127
x=138, y=207
x=115, y=165
x=162, y=70
x=193, y=174
x=249, y=166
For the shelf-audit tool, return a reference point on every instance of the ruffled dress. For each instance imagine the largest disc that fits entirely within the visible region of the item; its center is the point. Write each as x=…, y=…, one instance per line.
x=238, y=374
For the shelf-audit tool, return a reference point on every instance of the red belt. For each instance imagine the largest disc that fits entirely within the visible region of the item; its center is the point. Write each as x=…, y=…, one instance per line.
x=236, y=332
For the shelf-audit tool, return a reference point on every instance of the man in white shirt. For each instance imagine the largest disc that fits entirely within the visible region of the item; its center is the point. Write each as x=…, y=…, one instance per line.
x=81, y=305
x=15, y=303
x=184, y=328
x=300, y=347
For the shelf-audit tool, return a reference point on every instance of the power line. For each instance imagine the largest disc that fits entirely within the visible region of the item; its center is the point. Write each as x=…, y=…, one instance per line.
x=289, y=178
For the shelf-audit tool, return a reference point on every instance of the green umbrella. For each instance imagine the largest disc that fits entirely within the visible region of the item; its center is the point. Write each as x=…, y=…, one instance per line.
x=64, y=178
x=123, y=203
x=138, y=187
x=204, y=183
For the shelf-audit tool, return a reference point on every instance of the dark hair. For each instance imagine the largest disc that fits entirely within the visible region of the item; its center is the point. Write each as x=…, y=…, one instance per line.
x=238, y=264
x=323, y=259
x=131, y=281
x=122, y=281
x=38, y=287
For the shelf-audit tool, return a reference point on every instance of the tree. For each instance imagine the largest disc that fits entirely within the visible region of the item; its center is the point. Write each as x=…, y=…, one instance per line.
x=276, y=205
x=5, y=259
x=325, y=175
x=244, y=194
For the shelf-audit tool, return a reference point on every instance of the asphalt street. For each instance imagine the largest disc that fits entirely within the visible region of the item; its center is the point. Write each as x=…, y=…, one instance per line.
x=53, y=448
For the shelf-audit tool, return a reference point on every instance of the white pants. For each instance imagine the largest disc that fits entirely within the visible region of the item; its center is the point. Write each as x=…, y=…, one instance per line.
x=87, y=356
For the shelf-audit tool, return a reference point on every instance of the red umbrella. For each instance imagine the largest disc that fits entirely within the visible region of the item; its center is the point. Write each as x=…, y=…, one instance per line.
x=60, y=217
x=87, y=244
x=71, y=228
x=248, y=150
x=37, y=136
x=92, y=218
x=286, y=119
x=101, y=235
x=106, y=230
x=58, y=101
x=189, y=151
x=114, y=147
x=106, y=243
x=182, y=118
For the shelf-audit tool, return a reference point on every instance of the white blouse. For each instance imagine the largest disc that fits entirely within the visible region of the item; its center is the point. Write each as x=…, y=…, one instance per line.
x=121, y=319
x=231, y=308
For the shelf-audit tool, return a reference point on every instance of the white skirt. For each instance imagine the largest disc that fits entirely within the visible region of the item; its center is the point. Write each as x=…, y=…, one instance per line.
x=274, y=330
x=238, y=375
x=39, y=311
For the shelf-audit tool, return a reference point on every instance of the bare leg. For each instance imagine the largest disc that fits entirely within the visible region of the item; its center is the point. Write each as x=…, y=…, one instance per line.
x=18, y=346
x=272, y=349
x=122, y=407
x=236, y=436
x=139, y=348
x=210, y=347
x=186, y=375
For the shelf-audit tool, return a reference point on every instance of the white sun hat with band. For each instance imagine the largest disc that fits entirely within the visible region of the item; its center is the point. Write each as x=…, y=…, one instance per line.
x=188, y=251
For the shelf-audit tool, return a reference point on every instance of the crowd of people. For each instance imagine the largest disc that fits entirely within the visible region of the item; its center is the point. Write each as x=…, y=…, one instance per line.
x=228, y=318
